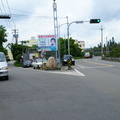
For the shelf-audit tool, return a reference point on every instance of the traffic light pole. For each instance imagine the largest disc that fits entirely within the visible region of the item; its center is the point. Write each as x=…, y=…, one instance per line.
x=77, y=22
x=68, y=25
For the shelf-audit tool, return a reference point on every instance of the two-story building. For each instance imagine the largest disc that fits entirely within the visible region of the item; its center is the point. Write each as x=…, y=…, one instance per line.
x=81, y=44
x=32, y=41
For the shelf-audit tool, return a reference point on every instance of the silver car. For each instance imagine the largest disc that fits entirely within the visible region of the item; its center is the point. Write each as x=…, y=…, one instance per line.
x=38, y=63
x=3, y=66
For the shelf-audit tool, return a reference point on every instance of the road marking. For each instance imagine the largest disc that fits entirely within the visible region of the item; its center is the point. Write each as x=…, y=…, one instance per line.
x=80, y=66
x=98, y=63
x=79, y=72
x=67, y=72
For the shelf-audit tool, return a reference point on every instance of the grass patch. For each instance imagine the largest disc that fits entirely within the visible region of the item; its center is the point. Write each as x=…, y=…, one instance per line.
x=78, y=57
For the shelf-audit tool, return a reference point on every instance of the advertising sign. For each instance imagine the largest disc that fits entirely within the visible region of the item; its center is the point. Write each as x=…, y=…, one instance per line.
x=46, y=43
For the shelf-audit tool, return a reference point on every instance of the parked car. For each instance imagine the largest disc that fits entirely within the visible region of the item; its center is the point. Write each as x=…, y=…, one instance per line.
x=37, y=63
x=3, y=66
x=27, y=63
x=66, y=58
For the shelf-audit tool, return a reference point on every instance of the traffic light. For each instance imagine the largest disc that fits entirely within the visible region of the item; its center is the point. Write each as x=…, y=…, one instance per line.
x=95, y=20
x=5, y=17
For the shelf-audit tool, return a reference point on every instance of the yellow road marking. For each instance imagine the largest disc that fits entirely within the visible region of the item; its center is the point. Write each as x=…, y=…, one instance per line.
x=98, y=63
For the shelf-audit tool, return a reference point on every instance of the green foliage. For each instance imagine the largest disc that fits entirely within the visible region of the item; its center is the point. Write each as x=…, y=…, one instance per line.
x=74, y=48
x=112, y=49
x=17, y=64
x=3, y=39
x=34, y=46
x=2, y=35
x=115, y=52
x=18, y=58
x=17, y=50
x=3, y=50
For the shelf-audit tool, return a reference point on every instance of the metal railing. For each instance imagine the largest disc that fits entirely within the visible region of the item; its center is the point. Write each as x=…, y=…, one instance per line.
x=111, y=59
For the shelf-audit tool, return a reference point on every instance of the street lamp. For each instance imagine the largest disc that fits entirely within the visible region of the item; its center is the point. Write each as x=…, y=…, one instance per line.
x=77, y=22
x=60, y=25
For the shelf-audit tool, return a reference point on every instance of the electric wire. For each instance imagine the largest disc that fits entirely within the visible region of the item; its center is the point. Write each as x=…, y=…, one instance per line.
x=8, y=24
x=29, y=14
x=10, y=13
x=7, y=21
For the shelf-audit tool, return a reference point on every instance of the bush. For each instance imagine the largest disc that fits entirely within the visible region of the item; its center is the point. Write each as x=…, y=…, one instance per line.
x=115, y=52
x=17, y=64
x=18, y=58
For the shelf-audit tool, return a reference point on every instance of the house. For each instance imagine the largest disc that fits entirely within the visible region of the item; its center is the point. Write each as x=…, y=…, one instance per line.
x=32, y=42
x=81, y=44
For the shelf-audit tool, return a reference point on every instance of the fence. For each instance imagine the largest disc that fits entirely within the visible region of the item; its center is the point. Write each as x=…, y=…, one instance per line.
x=111, y=59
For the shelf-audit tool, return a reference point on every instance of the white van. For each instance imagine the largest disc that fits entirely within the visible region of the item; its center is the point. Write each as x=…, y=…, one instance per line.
x=3, y=66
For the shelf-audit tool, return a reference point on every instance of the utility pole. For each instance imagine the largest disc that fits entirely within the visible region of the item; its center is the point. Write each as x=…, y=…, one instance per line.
x=101, y=41
x=56, y=31
x=107, y=47
x=15, y=35
x=55, y=24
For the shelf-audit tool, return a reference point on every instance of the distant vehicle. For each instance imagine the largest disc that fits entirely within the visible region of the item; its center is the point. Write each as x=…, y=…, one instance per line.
x=3, y=66
x=88, y=54
x=27, y=63
x=37, y=63
x=65, y=60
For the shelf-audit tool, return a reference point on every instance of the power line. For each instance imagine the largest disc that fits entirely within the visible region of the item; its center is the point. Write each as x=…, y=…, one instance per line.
x=9, y=25
x=7, y=21
x=10, y=13
x=35, y=15
x=3, y=6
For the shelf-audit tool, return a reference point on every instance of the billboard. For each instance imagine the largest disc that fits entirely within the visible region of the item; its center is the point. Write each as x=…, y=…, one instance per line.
x=47, y=43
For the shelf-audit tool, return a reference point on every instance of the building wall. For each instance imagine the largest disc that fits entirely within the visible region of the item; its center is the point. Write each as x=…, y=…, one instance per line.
x=81, y=44
x=10, y=55
x=32, y=42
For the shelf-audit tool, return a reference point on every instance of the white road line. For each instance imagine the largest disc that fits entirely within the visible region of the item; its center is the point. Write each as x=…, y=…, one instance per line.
x=69, y=72
x=79, y=72
x=80, y=66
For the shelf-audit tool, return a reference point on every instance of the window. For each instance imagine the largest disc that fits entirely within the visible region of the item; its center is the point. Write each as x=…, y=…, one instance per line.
x=2, y=58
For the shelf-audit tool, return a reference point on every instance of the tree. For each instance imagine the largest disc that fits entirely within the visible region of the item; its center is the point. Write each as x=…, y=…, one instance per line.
x=74, y=48
x=112, y=49
x=3, y=39
x=17, y=49
x=115, y=52
x=2, y=49
x=2, y=35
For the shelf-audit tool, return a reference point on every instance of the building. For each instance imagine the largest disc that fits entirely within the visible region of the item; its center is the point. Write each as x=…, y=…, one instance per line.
x=32, y=42
x=10, y=55
x=81, y=44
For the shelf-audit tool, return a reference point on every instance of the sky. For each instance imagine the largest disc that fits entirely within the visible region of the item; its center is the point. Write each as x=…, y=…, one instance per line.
x=35, y=17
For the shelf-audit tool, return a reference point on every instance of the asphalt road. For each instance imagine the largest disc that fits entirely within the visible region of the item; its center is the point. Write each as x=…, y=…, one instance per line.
x=91, y=91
